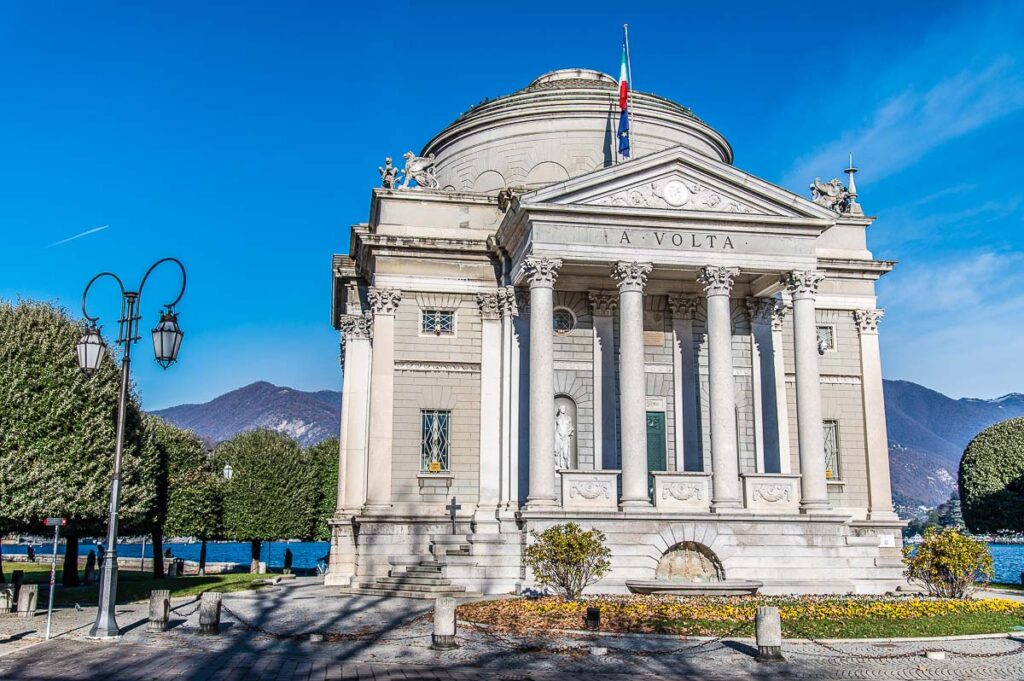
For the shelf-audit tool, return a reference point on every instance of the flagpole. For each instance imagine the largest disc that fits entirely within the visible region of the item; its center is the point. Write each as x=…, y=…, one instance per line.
x=629, y=92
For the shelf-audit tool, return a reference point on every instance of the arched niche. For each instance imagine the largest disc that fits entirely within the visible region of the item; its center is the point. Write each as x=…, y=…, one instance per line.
x=571, y=457
x=689, y=562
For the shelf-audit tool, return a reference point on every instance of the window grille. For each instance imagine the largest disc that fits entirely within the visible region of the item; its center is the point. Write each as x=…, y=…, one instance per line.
x=438, y=322
x=563, y=321
x=831, y=427
x=826, y=338
x=435, y=441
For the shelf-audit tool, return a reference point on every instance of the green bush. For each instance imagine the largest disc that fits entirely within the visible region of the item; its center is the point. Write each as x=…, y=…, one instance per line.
x=992, y=479
x=567, y=558
x=948, y=563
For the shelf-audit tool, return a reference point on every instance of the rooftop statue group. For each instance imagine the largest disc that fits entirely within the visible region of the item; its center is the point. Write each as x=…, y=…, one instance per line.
x=417, y=168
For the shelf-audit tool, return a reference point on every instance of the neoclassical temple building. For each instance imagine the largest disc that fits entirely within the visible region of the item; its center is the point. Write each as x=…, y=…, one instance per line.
x=665, y=348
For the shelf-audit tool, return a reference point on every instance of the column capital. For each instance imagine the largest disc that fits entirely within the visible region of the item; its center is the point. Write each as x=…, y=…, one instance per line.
x=490, y=304
x=507, y=303
x=761, y=310
x=682, y=307
x=632, y=276
x=802, y=283
x=717, y=281
x=356, y=326
x=542, y=272
x=384, y=300
x=778, y=316
x=603, y=303
x=867, y=320
x=522, y=300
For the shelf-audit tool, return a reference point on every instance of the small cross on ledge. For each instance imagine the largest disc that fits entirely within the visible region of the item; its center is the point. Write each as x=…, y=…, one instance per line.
x=452, y=508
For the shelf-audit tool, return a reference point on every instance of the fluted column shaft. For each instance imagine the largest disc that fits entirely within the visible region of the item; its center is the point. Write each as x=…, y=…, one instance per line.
x=803, y=286
x=384, y=303
x=541, y=273
x=632, y=277
x=717, y=282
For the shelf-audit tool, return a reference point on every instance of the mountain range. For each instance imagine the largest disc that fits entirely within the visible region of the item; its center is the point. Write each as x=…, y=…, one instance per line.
x=927, y=430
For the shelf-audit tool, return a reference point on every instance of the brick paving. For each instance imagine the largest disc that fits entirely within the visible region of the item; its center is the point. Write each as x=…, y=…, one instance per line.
x=378, y=638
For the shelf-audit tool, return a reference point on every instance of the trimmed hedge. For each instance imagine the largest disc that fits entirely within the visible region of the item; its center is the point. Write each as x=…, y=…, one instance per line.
x=992, y=479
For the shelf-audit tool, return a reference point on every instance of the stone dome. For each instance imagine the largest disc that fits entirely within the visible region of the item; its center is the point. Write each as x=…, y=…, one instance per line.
x=561, y=125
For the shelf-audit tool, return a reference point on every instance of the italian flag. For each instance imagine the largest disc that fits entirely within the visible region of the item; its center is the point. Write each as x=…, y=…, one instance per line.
x=623, y=82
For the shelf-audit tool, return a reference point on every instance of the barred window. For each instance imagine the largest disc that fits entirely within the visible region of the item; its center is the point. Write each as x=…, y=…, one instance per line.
x=832, y=471
x=438, y=322
x=563, y=321
x=435, y=441
x=826, y=337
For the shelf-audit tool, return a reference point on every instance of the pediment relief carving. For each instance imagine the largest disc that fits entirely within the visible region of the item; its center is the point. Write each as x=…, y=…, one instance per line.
x=675, y=193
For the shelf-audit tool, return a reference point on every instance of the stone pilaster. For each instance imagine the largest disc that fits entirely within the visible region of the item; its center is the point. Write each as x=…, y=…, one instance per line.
x=508, y=499
x=684, y=374
x=875, y=436
x=803, y=286
x=542, y=273
x=766, y=423
x=781, y=401
x=485, y=519
x=632, y=278
x=384, y=303
x=603, y=305
x=717, y=283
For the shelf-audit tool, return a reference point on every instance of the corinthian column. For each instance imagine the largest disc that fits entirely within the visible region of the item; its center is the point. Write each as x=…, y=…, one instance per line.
x=355, y=411
x=541, y=273
x=876, y=437
x=632, y=277
x=717, y=283
x=803, y=286
x=384, y=303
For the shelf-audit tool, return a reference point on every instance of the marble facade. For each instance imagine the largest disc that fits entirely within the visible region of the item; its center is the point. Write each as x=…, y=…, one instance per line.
x=712, y=337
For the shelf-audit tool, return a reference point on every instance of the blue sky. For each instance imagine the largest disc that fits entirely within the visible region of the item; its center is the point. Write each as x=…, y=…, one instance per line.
x=244, y=138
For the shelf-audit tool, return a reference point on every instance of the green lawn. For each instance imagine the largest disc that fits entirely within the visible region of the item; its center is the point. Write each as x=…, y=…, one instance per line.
x=133, y=585
x=1019, y=588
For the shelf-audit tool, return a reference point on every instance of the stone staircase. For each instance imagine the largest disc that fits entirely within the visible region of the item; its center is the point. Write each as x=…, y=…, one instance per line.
x=427, y=578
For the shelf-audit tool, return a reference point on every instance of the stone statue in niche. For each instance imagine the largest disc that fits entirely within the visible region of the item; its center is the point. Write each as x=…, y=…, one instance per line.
x=564, y=430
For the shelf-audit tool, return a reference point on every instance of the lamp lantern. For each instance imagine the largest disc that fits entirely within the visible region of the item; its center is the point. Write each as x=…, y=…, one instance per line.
x=90, y=350
x=167, y=338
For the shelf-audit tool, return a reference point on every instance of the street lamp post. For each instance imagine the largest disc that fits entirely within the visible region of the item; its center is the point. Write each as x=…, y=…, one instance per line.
x=166, y=342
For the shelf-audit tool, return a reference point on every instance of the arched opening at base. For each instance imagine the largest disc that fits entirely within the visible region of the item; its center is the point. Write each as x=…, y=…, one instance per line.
x=690, y=562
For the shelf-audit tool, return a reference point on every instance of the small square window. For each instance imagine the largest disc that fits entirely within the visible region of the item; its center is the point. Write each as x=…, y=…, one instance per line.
x=438, y=322
x=435, y=440
x=831, y=427
x=826, y=338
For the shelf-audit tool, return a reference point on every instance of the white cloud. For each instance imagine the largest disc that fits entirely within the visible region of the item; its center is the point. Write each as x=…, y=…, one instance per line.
x=981, y=278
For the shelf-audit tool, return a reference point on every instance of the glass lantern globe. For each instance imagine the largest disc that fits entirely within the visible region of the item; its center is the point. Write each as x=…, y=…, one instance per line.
x=228, y=471
x=90, y=350
x=167, y=339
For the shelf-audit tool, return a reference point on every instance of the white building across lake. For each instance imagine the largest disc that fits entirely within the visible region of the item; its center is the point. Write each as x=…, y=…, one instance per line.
x=666, y=348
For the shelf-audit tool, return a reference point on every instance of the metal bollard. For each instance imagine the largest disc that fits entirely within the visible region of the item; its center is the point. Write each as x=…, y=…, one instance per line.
x=7, y=601
x=768, y=627
x=209, y=613
x=27, y=599
x=159, y=610
x=593, y=618
x=444, y=625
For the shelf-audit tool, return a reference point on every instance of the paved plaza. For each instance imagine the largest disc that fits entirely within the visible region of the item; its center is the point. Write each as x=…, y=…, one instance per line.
x=265, y=636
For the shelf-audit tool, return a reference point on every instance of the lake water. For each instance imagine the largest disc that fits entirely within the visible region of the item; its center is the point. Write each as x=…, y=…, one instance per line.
x=1008, y=558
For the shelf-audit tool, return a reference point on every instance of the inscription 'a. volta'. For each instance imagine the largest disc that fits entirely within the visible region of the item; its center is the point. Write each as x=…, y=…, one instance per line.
x=677, y=240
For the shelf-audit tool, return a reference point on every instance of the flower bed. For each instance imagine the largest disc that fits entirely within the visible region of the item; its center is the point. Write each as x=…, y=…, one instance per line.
x=805, y=616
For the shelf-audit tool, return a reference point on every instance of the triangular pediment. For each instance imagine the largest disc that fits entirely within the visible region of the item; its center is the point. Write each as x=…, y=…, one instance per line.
x=678, y=179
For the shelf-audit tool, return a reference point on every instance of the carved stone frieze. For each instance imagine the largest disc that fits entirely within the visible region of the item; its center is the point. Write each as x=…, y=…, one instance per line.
x=590, y=489
x=675, y=193
x=682, y=491
x=437, y=367
x=632, y=276
x=682, y=307
x=802, y=282
x=384, y=300
x=542, y=271
x=603, y=303
x=490, y=304
x=867, y=320
x=773, y=493
x=717, y=281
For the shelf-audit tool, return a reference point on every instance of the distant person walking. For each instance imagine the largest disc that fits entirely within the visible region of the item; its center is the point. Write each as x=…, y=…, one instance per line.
x=99, y=554
x=31, y=551
x=287, y=560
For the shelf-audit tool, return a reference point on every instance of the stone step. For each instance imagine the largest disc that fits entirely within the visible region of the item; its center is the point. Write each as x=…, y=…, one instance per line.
x=425, y=569
x=405, y=580
x=404, y=593
x=449, y=538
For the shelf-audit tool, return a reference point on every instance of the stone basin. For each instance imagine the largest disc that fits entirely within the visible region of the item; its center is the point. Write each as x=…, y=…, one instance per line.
x=728, y=587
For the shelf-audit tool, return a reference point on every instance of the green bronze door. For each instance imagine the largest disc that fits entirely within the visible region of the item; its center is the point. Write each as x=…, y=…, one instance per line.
x=655, y=445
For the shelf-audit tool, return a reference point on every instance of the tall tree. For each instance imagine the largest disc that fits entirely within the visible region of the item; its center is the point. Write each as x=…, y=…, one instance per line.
x=57, y=432
x=195, y=508
x=272, y=493
x=172, y=452
x=324, y=456
x=992, y=479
